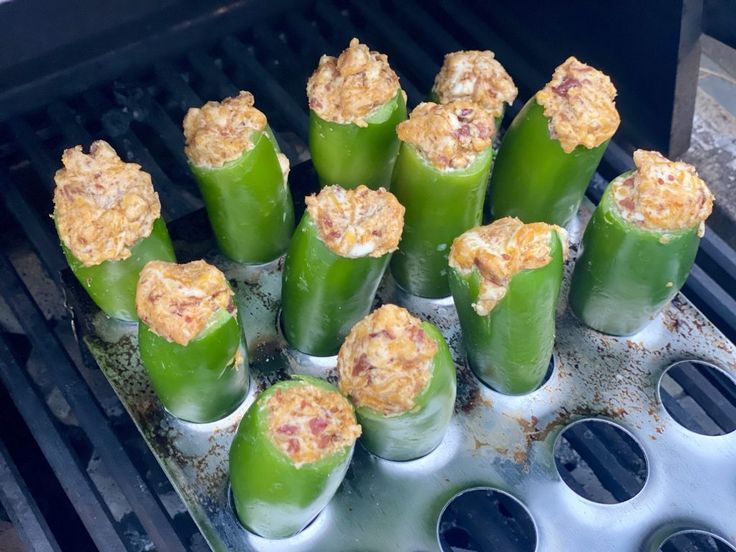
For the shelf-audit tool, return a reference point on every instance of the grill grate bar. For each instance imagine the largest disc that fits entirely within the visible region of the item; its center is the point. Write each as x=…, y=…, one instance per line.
x=35, y=151
x=37, y=229
x=65, y=118
x=704, y=290
x=76, y=484
x=619, y=481
x=94, y=423
x=344, y=30
x=267, y=87
x=415, y=15
x=707, y=396
x=172, y=80
x=205, y=66
x=22, y=509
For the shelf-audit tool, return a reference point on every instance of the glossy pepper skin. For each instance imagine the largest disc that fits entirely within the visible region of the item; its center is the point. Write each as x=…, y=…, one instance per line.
x=112, y=284
x=440, y=205
x=248, y=203
x=625, y=275
x=273, y=498
x=510, y=348
x=201, y=381
x=323, y=294
x=419, y=431
x=349, y=155
x=533, y=178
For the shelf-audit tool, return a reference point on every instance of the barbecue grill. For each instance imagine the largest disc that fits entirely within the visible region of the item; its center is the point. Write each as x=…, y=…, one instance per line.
x=76, y=473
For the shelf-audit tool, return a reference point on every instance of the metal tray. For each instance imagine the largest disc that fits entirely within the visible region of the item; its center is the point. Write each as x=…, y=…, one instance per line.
x=494, y=440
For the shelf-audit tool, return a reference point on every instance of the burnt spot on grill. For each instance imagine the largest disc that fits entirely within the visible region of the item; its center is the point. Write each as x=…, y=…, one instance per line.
x=468, y=390
x=268, y=362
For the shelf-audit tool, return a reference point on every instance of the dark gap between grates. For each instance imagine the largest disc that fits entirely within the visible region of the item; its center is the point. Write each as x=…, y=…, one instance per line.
x=700, y=397
x=695, y=541
x=600, y=461
x=486, y=520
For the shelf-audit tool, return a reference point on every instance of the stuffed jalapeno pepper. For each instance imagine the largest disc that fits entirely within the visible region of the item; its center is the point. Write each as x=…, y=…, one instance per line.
x=108, y=218
x=290, y=454
x=190, y=340
x=401, y=378
x=640, y=244
x=553, y=146
x=335, y=262
x=441, y=176
x=355, y=103
x=243, y=178
x=475, y=76
x=505, y=279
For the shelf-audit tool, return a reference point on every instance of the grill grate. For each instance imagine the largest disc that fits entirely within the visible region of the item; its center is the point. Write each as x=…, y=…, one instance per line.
x=135, y=97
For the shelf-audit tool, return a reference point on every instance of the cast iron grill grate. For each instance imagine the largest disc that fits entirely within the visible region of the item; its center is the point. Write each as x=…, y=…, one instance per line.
x=139, y=112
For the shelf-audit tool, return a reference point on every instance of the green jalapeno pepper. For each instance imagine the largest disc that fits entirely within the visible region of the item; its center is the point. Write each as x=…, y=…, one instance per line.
x=323, y=294
x=440, y=205
x=112, y=284
x=204, y=380
x=510, y=348
x=249, y=203
x=273, y=497
x=533, y=178
x=626, y=274
x=349, y=155
x=419, y=431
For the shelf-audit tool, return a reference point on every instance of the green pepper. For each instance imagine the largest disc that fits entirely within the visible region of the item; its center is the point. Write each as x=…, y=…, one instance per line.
x=204, y=380
x=440, y=205
x=323, y=294
x=418, y=432
x=626, y=274
x=349, y=155
x=273, y=497
x=248, y=203
x=112, y=284
x=533, y=178
x=510, y=348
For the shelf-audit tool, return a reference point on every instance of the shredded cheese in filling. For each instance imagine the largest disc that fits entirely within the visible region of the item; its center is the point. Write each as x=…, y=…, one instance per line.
x=477, y=77
x=220, y=132
x=178, y=300
x=662, y=195
x=449, y=136
x=349, y=88
x=308, y=423
x=500, y=250
x=579, y=103
x=386, y=361
x=357, y=223
x=102, y=205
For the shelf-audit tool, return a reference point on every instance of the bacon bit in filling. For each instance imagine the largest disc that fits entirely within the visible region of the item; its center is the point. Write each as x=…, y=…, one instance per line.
x=351, y=87
x=662, y=195
x=178, y=300
x=449, y=136
x=499, y=251
x=386, y=361
x=102, y=206
x=579, y=103
x=477, y=77
x=357, y=223
x=308, y=423
x=220, y=132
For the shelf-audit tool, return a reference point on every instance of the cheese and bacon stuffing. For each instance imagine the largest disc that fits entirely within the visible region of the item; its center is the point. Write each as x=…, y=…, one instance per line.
x=357, y=223
x=579, y=103
x=386, y=361
x=662, y=195
x=449, y=136
x=102, y=205
x=475, y=76
x=499, y=251
x=349, y=88
x=308, y=423
x=177, y=301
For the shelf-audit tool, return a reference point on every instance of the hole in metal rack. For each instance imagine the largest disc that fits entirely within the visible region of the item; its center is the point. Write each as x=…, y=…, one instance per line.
x=695, y=540
x=600, y=461
x=484, y=519
x=699, y=396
